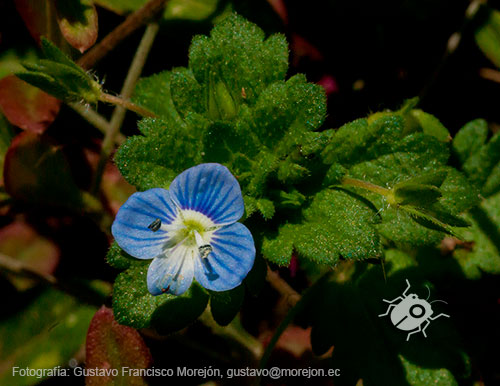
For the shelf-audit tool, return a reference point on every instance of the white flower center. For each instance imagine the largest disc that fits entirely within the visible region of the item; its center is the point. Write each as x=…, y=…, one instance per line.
x=191, y=229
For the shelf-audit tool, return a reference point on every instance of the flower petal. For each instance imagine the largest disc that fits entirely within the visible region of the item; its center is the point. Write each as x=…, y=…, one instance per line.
x=172, y=272
x=210, y=189
x=229, y=262
x=130, y=227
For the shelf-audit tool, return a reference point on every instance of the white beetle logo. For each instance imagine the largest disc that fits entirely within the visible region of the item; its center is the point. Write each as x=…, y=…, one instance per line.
x=411, y=313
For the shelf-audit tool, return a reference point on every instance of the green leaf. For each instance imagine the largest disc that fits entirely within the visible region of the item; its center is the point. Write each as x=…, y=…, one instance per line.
x=254, y=64
x=294, y=103
x=225, y=305
x=154, y=93
x=481, y=253
x=59, y=76
x=488, y=36
x=174, y=10
x=177, y=312
x=119, y=259
x=469, y=139
x=430, y=125
x=134, y=306
x=153, y=160
x=369, y=347
x=266, y=207
x=337, y=223
x=45, y=334
x=408, y=193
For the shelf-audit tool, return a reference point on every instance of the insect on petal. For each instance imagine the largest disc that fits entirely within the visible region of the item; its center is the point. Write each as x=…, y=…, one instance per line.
x=230, y=261
x=131, y=227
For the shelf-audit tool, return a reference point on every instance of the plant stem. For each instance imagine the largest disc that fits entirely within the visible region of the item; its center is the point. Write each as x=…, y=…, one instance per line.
x=289, y=294
x=95, y=119
x=490, y=74
x=122, y=104
x=129, y=25
x=234, y=331
x=367, y=185
x=17, y=267
x=125, y=104
x=80, y=290
x=452, y=45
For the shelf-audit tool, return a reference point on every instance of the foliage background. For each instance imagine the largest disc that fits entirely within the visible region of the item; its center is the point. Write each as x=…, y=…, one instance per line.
x=370, y=57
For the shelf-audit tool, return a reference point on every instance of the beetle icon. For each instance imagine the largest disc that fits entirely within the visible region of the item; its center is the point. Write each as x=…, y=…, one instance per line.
x=411, y=313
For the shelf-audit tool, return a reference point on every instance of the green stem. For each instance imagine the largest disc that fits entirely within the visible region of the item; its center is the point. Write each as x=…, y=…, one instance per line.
x=95, y=119
x=123, y=103
x=234, y=331
x=387, y=193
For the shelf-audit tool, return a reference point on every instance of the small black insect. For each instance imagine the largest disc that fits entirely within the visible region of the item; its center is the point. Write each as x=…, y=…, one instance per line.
x=155, y=225
x=205, y=250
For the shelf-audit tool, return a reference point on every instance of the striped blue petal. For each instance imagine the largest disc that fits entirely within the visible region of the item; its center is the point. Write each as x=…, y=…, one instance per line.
x=229, y=262
x=210, y=189
x=130, y=227
x=172, y=272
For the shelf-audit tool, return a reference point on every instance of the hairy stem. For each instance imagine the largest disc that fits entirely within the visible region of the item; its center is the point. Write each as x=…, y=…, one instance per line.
x=367, y=186
x=125, y=104
x=129, y=25
x=122, y=103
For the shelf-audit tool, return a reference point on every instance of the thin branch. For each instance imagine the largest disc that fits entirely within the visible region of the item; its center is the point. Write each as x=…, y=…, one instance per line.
x=95, y=119
x=233, y=331
x=79, y=289
x=119, y=113
x=17, y=267
x=289, y=294
x=129, y=25
x=452, y=44
x=125, y=104
x=366, y=185
x=490, y=74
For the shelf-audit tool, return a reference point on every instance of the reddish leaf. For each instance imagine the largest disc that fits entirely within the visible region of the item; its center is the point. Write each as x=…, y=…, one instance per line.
x=114, y=188
x=78, y=22
x=39, y=18
x=113, y=346
x=301, y=48
x=22, y=242
x=36, y=171
x=26, y=106
x=329, y=83
x=280, y=8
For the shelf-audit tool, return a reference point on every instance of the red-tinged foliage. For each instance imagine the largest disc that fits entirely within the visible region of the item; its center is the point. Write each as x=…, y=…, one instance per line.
x=22, y=242
x=280, y=8
x=113, y=346
x=36, y=171
x=26, y=106
x=77, y=21
x=38, y=18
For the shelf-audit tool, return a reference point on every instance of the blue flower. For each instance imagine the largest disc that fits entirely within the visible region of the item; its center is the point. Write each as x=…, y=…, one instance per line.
x=190, y=231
